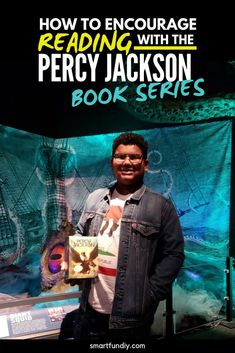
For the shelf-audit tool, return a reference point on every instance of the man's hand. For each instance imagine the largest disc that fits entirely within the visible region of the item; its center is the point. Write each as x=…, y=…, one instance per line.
x=74, y=282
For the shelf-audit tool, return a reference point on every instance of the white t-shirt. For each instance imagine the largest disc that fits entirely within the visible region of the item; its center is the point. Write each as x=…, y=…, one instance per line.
x=103, y=287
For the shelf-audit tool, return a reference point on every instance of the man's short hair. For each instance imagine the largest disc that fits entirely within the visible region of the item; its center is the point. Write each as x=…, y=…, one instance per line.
x=130, y=138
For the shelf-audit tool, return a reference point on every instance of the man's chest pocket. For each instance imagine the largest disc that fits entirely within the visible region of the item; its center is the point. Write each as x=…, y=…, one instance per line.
x=145, y=234
x=90, y=228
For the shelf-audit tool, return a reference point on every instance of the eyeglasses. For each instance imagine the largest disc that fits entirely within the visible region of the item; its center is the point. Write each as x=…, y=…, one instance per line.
x=134, y=158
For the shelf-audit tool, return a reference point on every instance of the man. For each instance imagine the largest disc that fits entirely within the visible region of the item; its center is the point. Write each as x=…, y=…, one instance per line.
x=141, y=249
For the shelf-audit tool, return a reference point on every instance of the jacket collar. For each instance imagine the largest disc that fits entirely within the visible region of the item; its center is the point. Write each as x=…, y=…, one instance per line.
x=136, y=196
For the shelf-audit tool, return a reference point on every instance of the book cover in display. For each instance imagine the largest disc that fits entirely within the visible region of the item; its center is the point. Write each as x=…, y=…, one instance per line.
x=82, y=257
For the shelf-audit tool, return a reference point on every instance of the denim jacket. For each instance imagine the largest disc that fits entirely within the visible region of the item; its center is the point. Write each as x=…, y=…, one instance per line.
x=151, y=253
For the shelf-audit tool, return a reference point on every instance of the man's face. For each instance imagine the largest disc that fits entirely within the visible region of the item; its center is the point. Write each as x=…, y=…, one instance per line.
x=128, y=164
